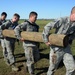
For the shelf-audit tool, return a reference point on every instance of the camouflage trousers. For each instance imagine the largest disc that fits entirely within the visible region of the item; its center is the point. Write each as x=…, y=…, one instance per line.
x=68, y=61
x=8, y=50
x=32, y=55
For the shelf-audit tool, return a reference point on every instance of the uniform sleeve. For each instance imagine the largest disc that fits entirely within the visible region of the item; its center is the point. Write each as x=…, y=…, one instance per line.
x=55, y=24
x=5, y=25
x=71, y=34
x=18, y=30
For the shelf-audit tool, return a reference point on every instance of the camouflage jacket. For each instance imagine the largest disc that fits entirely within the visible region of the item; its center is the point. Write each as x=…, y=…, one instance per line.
x=29, y=27
x=7, y=25
x=62, y=26
x=2, y=21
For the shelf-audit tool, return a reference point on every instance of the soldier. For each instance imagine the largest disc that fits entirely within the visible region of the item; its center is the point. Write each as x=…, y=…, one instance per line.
x=63, y=26
x=2, y=20
x=30, y=47
x=10, y=42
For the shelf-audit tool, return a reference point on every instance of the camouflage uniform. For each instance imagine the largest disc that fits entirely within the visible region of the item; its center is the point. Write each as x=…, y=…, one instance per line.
x=63, y=26
x=1, y=36
x=9, y=42
x=31, y=49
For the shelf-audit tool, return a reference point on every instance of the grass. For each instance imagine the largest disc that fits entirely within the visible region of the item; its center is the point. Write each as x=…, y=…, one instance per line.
x=41, y=66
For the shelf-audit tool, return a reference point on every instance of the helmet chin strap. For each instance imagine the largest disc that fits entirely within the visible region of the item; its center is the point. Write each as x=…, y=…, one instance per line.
x=72, y=17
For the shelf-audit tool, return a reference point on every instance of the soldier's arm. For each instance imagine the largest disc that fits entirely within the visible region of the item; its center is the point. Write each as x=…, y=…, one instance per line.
x=5, y=25
x=48, y=27
x=18, y=30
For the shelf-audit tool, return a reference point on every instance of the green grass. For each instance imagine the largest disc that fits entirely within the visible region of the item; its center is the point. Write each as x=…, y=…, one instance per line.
x=40, y=67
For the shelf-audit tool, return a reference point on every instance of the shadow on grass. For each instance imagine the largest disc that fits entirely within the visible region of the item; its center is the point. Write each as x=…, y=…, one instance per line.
x=44, y=70
x=74, y=57
x=19, y=55
x=19, y=61
x=1, y=57
x=42, y=49
x=42, y=55
x=20, y=67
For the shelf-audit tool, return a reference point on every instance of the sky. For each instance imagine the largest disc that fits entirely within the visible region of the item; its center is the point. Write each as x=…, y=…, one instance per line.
x=46, y=9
